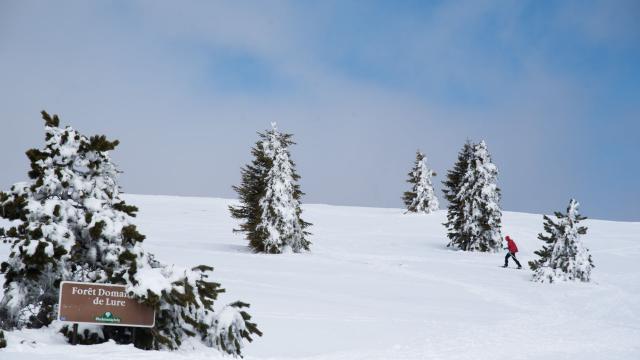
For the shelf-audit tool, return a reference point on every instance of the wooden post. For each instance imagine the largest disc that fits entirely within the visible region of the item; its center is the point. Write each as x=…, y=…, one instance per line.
x=74, y=336
x=133, y=336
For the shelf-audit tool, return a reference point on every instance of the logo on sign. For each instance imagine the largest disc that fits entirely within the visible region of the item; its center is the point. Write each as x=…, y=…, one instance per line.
x=108, y=317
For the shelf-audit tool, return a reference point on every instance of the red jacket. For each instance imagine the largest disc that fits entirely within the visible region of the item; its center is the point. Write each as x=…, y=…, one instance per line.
x=511, y=245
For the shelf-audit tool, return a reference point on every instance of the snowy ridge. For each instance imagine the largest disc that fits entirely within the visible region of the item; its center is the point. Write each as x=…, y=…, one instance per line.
x=379, y=284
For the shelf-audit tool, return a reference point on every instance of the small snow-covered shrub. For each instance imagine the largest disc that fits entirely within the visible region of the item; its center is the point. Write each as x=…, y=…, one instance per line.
x=3, y=341
x=87, y=334
x=563, y=257
x=232, y=324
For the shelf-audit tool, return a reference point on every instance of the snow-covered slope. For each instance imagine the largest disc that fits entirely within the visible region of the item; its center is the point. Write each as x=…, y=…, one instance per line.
x=382, y=285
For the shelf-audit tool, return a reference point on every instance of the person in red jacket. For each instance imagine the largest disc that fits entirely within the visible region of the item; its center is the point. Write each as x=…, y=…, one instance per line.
x=513, y=249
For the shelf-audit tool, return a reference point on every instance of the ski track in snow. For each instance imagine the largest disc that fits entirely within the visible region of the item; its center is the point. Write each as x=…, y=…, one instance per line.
x=379, y=284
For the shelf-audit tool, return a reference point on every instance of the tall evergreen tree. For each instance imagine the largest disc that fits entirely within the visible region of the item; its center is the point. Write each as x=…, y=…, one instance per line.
x=451, y=189
x=421, y=198
x=250, y=192
x=42, y=238
x=270, y=198
x=474, y=215
x=564, y=256
x=75, y=226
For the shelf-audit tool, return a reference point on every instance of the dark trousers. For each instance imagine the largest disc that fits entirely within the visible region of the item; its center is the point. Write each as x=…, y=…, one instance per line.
x=513, y=255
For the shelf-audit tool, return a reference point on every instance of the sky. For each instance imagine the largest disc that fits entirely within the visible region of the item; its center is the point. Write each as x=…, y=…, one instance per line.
x=553, y=87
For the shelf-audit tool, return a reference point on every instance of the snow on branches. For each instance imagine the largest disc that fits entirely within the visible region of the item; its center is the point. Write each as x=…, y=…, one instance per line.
x=474, y=215
x=563, y=257
x=270, y=198
x=421, y=198
x=70, y=223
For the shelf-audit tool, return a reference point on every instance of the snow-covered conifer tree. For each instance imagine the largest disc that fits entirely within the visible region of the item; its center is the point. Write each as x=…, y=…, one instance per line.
x=451, y=189
x=270, y=198
x=250, y=192
x=421, y=198
x=474, y=216
x=280, y=204
x=564, y=256
x=75, y=226
x=42, y=238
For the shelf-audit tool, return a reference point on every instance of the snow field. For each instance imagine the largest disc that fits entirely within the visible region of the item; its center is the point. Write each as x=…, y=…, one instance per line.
x=378, y=284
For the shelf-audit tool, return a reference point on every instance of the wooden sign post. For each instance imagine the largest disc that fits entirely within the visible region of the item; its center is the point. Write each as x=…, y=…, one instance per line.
x=101, y=304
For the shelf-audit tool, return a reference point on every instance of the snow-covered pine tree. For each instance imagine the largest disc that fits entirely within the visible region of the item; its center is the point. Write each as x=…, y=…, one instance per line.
x=3, y=341
x=270, y=198
x=250, y=192
x=41, y=237
x=281, y=222
x=87, y=235
x=451, y=189
x=421, y=198
x=564, y=256
x=474, y=216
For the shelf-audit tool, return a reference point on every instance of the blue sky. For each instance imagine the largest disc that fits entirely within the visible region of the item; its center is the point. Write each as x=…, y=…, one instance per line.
x=553, y=87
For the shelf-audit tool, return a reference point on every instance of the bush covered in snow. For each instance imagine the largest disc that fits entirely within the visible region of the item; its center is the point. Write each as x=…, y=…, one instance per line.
x=270, y=198
x=72, y=224
x=421, y=198
x=564, y=256
x=474, y=215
